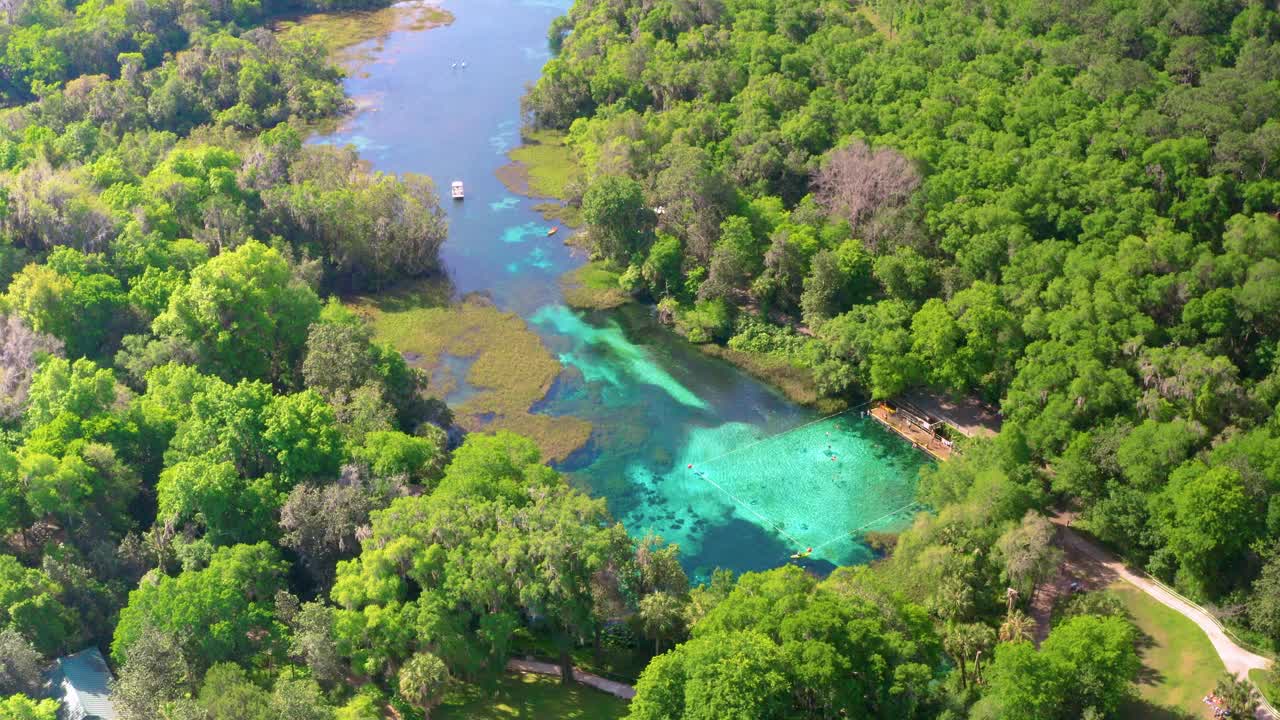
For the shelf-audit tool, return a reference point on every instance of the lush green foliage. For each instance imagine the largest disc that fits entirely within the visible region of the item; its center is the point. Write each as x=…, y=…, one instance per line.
x=1070, y=210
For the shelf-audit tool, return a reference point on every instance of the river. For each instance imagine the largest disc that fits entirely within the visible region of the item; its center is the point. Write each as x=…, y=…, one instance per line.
x=768, y=477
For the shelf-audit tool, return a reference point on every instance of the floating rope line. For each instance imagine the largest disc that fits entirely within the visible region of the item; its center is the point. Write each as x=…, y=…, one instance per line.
x=752, y=510
x=860, y=528
x=784, y=432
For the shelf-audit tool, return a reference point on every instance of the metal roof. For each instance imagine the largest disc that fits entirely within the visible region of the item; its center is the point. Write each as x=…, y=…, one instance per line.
x=83, y=683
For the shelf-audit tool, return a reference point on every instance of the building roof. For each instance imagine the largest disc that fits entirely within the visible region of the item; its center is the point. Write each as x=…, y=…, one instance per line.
x=83, y=683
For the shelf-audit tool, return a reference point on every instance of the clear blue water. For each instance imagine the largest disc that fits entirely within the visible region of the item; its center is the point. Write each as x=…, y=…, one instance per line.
x=769, y=477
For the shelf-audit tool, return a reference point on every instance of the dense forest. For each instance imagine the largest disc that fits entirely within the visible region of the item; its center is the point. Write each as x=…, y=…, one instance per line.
x=211, y=470
x=1067, y=209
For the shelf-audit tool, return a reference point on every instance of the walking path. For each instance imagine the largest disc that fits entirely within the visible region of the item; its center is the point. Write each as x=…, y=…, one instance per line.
x=1238, y=660
x=617, y=689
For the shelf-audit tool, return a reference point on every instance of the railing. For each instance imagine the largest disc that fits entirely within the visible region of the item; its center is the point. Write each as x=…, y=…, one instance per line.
x=1212, y=618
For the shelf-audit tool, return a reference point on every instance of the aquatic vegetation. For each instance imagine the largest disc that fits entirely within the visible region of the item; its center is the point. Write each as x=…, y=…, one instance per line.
x=551, y=165
x=794, y=381
x=509, y=370
x=593, y=286
x=355, y=38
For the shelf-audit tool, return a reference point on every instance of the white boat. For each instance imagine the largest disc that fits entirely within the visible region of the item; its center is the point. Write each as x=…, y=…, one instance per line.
x=457, y=189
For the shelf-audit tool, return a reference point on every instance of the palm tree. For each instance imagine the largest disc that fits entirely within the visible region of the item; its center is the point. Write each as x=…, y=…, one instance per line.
x=661, y=614
x=964, y=640
x=1017, y=627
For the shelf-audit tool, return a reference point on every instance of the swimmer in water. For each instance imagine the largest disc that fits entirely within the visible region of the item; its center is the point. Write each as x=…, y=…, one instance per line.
x=802, y=555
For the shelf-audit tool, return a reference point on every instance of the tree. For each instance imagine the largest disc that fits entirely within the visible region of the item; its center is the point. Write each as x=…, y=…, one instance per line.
x=21, y=666
x=244, y=314
x=222, y=613
x=1264, y=601
x=155, y=675
x=617, y=217
x=1239, y=696
x=501, y=535
x=855, y=180
x=227, y=694
x=320, y=523
x=313, y=642
x=780, y=629
x=1017, y=627
x=1212, y=518
x=21, y=350
x=296, y=696
x=422, y=681
x=1085, y=665
x=29, y=604
x=1029, y=554
x=21, y=707
x=80, y=388
x=371, y=228
x=967, y=641
x=736, y=675
x=661, y=614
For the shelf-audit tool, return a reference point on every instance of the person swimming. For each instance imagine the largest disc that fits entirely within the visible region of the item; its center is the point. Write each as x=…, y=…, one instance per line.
x=802, y=555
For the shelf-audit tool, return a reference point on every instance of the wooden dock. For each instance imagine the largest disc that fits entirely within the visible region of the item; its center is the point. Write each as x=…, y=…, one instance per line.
x=907, y=426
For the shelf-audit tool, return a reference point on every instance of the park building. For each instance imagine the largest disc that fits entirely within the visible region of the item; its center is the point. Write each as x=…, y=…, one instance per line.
x=82, y=684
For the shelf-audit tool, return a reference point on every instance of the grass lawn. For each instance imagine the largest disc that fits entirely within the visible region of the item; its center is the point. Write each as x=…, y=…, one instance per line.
x=1179, y=663
x=593, y=287
x=511, y=371
x=532, y=697
x=1266, y=682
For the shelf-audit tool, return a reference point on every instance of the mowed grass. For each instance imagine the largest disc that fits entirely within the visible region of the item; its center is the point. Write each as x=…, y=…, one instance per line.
x=512, y=368
x=1180, y=665
x=532, y=697
x=593, y=286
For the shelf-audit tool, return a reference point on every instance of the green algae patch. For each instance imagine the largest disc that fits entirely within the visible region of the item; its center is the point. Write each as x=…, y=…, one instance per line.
x=347, y=35
x=593, y=287
x=510, y=369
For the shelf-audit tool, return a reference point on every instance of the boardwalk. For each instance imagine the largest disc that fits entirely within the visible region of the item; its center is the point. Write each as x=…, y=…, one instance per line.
x=536, y=667
x=899, y=423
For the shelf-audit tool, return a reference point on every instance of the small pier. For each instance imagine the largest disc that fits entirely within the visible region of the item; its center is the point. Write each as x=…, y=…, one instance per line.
x=933, y=422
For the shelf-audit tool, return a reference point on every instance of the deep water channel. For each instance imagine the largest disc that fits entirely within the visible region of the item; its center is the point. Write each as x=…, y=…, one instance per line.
x=769, y=477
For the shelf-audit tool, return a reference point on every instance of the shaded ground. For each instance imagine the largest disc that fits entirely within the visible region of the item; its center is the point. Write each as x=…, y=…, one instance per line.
x=536, y=667
x=529, y=697
x=508, y=370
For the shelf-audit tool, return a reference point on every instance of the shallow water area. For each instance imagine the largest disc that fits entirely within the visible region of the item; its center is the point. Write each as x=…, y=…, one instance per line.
x=768, y=486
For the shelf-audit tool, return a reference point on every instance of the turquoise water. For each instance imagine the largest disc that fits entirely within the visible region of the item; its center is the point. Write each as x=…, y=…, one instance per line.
x=768, y=478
